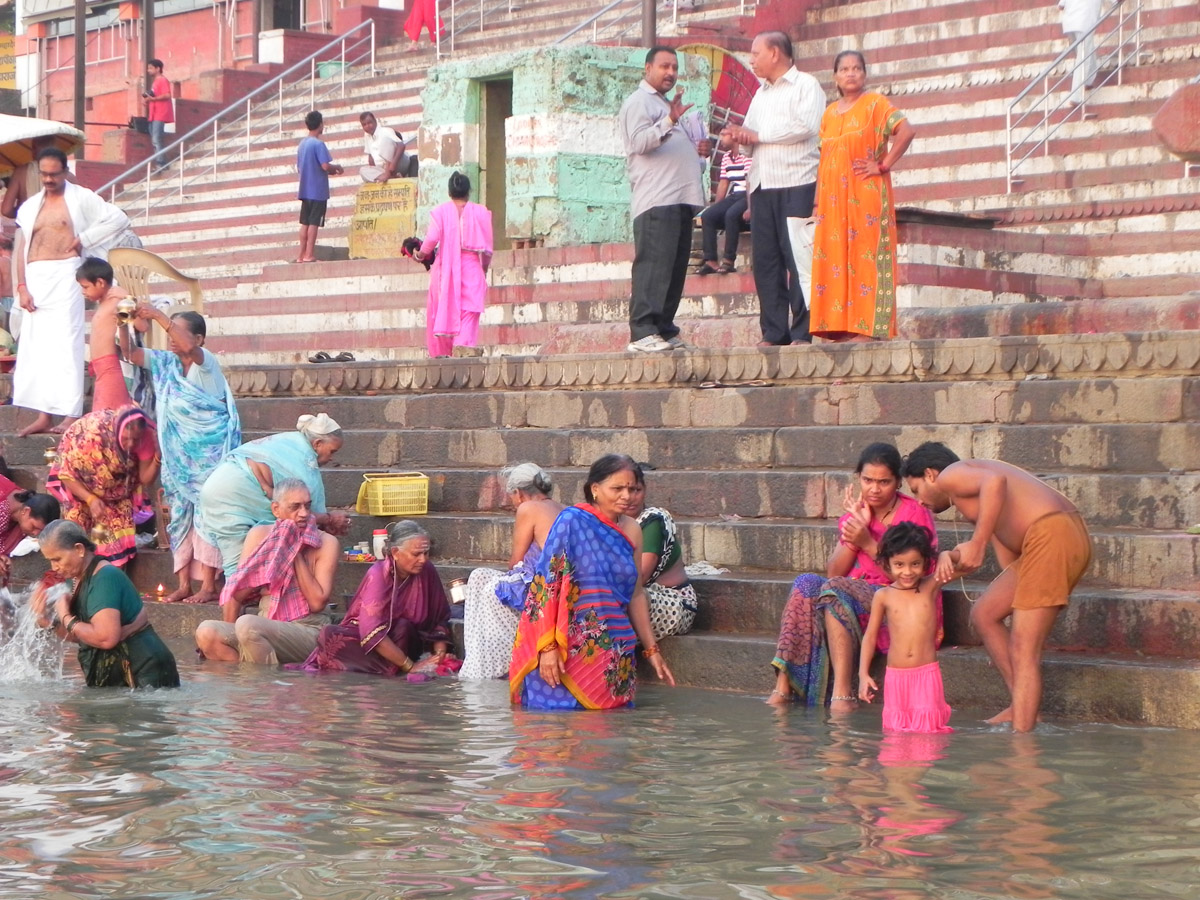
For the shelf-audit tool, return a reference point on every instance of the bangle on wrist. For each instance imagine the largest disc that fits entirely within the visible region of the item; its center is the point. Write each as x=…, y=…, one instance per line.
x=651, y=651
x=406, y=666
x=884, y=169
x=71, y=625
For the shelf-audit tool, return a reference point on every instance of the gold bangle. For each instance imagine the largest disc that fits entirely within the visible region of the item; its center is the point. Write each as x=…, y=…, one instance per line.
x=407, y=666
x=71, y=625
x=650, y=651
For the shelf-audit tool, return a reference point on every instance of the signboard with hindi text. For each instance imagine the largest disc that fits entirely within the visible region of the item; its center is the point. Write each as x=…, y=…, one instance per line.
x=384, y=215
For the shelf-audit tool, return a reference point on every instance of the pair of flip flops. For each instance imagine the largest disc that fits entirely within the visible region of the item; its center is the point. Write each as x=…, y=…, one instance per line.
x=323, y=357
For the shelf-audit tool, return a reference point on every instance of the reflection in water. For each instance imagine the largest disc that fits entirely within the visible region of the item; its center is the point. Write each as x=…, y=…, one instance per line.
x=256, y=785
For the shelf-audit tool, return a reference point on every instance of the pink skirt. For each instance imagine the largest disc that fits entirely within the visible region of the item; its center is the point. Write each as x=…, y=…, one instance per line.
x=915, y=701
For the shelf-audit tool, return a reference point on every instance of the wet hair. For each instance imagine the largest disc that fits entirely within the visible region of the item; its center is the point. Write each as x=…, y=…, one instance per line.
x=930, y=455
x=194, y=321
x=53, y=153
x=526, y=477
x=779, y=40
x=94, y=269
x=605, y=467
x=157, y=63
x=657, y=49
x=400, y=533
x=460, y=186
x=63, y=534
x=902, y=537
x=366, y=114
x=837, y=61
x=314, y=120
x=40, y=506
x=286, y=486
x=880, y=454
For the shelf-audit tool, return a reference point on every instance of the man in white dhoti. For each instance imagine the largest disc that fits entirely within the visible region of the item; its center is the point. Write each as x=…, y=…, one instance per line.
x=58, y=225
x=1079, y=17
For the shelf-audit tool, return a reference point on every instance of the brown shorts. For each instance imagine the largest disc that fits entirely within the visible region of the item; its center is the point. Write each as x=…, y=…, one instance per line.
x=1056, y=552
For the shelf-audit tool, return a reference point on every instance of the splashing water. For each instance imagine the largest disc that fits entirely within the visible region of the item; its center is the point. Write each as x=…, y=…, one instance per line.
x=28, y=652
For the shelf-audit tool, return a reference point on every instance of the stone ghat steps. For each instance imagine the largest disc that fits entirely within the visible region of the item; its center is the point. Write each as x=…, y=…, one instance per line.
x=746, y=603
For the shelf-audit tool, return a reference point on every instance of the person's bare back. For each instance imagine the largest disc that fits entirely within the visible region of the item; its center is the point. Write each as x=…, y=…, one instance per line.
x=1024, y=498
x=53, y=232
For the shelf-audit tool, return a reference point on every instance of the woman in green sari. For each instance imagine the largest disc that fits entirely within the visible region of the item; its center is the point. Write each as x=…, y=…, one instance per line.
x=104, y=615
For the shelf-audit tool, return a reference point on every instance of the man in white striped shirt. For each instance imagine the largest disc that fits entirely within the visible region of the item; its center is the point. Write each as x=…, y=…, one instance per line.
x=782, y=135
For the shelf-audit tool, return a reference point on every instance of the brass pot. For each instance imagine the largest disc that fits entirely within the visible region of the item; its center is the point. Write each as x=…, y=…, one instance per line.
x=126, y=310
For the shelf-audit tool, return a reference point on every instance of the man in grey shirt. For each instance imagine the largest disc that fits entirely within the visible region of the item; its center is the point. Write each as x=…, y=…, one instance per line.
x=664, y=173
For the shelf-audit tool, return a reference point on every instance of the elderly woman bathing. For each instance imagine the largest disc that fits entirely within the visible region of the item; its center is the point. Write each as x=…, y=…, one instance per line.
x=587, y=609
x=237, y=495
x=398, y=612
x=495, y=599
x=104, y=615
x=825, y=615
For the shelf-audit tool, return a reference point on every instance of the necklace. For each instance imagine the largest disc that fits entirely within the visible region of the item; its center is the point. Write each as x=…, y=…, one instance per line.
x=891, y=509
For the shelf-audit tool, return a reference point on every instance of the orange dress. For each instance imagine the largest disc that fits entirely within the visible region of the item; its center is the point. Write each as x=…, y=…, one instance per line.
x=854, y=249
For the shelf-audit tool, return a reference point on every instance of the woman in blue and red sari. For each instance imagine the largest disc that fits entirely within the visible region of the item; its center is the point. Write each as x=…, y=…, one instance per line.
x=586, y=608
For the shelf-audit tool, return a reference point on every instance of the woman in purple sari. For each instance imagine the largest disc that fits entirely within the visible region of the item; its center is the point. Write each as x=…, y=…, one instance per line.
x=398, y=612
x=826, y=615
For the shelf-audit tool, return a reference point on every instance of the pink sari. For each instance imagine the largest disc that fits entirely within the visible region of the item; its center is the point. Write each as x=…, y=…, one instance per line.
x=457, y=280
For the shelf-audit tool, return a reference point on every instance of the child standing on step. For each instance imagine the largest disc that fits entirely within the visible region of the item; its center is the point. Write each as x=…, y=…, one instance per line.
x=915, y=700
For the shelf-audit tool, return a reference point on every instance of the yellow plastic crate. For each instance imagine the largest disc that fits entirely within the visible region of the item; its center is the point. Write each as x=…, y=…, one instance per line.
x=393, y=494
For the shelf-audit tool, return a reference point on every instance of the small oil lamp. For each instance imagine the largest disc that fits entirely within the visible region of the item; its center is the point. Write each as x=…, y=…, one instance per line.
x=158, y=593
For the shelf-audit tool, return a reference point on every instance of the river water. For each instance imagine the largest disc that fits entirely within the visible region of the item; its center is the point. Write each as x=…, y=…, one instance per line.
x=251, y=783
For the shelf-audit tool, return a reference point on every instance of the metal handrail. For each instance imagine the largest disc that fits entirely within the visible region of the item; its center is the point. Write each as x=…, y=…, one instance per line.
x=1117, y=54
x=589, y=20
x=276, y=87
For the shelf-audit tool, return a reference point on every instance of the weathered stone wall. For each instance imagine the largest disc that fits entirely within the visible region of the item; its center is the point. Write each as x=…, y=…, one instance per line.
x=565, y=169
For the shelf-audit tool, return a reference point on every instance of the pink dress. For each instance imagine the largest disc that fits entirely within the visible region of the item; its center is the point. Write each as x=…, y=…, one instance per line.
x=457, y=280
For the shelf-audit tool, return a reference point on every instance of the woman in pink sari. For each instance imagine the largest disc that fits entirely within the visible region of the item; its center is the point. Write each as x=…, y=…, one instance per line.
x=462, y=232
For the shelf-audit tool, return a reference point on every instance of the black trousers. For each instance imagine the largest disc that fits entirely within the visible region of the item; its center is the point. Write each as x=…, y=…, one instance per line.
x=662, y=245
x=780, y=294
x=724, y=215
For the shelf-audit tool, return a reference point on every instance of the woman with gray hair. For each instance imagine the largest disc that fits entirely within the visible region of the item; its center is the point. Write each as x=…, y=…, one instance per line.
x=104, y=615
x=398, y=612
x=495, y=599
x=237, y=495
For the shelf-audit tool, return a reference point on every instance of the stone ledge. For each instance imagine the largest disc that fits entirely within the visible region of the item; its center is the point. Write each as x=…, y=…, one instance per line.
x=963, y=359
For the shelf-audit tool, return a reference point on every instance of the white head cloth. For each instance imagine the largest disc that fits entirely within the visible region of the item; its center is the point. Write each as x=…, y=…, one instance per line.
x=318, y=426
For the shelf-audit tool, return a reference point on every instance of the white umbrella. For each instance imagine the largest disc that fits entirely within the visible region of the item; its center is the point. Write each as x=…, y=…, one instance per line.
x=17, y=134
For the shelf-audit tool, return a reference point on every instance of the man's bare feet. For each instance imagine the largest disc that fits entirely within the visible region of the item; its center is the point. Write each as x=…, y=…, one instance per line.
x=40, y=425
x=1000, y=718
x=178, y=595
x=203, y=596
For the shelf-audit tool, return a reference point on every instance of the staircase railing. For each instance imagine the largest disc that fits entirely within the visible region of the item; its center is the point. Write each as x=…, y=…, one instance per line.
x=1043, y=118
x=235, y=129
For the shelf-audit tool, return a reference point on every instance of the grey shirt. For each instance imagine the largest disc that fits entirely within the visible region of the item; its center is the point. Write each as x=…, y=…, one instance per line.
x=660, y=158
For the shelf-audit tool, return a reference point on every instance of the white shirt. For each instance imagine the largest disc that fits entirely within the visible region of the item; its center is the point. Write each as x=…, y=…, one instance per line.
x=208, y=376
x=786, y=116
x=382, y=146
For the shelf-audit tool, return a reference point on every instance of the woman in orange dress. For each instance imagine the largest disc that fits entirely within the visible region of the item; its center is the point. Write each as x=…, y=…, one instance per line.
x=854, y=250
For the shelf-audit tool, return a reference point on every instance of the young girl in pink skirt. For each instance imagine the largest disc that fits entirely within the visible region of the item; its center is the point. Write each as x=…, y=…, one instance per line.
x=914, y=700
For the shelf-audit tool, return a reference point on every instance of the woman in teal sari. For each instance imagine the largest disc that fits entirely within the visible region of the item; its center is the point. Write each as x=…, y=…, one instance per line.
x=237, y=495
x=104, y=615
x=587, y=609
x=197, y=426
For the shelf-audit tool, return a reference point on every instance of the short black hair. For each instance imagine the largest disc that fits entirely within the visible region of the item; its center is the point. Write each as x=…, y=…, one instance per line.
x=902, y=537
x=94, y=269
x=41, y=506
x=879, y=454
x=779, y=40
x=53, y=153
x=194, y=321
x=157, y=63
x=367, y=114
x=313, y=120
x=837, y=60
x=657, y=49
x=930, y=455
x=605, y=467
x=460, y=186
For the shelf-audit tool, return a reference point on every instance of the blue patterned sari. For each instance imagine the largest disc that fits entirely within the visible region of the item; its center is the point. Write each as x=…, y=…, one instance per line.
x=579, y=603
x=195, y=431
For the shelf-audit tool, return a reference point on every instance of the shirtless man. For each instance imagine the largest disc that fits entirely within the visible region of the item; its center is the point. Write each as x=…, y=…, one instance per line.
x=293, y=603
x=57, y=225
x=1040, y=540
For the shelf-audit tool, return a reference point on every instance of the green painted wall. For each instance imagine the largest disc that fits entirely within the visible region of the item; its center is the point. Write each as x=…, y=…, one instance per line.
x=565, y=168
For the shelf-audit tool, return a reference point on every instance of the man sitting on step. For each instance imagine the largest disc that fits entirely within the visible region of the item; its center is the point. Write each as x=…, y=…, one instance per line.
x=288, y=566
x=384, y=147
x=1041, y=542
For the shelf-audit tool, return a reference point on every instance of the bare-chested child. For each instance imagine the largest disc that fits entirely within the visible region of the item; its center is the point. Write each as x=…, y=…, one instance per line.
x=1040, y=540
x=913, y=699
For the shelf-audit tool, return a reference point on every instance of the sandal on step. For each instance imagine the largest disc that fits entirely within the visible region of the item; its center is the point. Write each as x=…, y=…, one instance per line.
x=320, y=357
